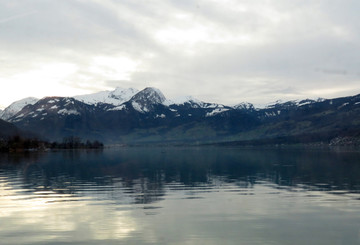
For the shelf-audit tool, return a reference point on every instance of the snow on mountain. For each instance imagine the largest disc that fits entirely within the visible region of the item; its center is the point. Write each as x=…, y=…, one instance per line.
x=185, y=99
x=304, y=102
x=149, y=95
x=16, y=106
x=115, y=97
x=49, y=107
x=291, y=103
x=277, y=103
x=117, y=108
x=216, y=111
x=320, y=99
x=145, y=100
x=244, y=106
x=123, y=94
x=68, y=112
x=194, y=103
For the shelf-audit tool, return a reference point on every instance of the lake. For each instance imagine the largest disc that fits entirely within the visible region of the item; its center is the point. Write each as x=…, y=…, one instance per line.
x=181, y=195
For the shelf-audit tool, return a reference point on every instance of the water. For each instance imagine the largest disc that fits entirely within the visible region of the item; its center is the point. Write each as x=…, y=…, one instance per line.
x=175, y=195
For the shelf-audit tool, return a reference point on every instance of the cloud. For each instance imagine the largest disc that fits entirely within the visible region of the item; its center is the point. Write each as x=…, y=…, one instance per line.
x=222, y=51
x=18, y=16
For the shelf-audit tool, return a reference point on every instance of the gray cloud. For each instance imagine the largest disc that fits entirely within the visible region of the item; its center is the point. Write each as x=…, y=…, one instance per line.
x=221, y=51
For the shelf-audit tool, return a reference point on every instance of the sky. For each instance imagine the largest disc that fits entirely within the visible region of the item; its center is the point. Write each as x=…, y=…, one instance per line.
x=223, y=51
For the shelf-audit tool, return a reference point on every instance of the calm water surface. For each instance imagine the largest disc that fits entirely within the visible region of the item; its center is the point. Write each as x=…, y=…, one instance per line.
x=174, y=195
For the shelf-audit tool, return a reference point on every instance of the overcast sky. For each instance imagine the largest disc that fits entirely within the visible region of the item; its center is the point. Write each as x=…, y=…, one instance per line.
x=224, y=51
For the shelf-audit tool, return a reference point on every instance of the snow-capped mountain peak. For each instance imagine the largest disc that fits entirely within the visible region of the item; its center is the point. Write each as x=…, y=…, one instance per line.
x=16, y=106
x=194, y=103
x=149, y=94
x=115, y=97
x=51, y=107
x=186, y=99
x=123, y=94
x=291, y=103
x=145, y=100
x=244, y=106
x=304, y=102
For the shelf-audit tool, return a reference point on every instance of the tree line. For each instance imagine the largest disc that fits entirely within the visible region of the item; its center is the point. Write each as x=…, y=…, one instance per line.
x=19, y=144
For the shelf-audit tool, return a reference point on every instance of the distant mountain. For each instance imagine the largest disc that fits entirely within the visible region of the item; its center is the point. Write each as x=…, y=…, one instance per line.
x=131, y=116
x=116, y=97
x=244, y=106
x=145, y=100
x=308, y=120
x=56, y=117
x=147, y=114
x=15, y=107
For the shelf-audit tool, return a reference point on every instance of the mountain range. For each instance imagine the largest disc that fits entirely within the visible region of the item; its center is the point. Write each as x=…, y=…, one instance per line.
x=147, y=116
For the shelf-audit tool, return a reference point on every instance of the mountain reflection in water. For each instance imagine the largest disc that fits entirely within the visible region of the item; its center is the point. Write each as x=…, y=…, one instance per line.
x=180, y=195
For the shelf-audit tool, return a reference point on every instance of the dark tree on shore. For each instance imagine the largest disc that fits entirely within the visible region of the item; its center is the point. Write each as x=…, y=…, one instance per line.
x=76, y=143
x=19, y=144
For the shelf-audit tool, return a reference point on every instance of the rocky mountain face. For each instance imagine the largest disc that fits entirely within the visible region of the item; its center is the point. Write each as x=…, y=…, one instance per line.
x=131, y=116
x=147, y=99
x=15, y=107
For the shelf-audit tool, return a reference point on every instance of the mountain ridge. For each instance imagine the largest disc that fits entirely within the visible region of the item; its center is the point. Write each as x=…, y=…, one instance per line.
x=148, y=116
x=115, y=97
x=120, y=95
x=16, y=106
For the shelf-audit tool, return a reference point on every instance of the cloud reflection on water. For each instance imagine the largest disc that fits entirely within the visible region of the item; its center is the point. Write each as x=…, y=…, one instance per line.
x=181, y=196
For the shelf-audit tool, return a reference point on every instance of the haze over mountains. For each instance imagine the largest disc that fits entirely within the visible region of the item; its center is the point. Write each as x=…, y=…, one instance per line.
x=147, y=116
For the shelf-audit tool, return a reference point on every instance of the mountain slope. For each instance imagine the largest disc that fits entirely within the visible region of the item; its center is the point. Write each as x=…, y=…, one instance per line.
x=147, y=116
x=320, y=120
x=116, y=97
x=15, y=107
x=57, y=117
x=145, y=100
x=144, y=115
x=7, y=129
